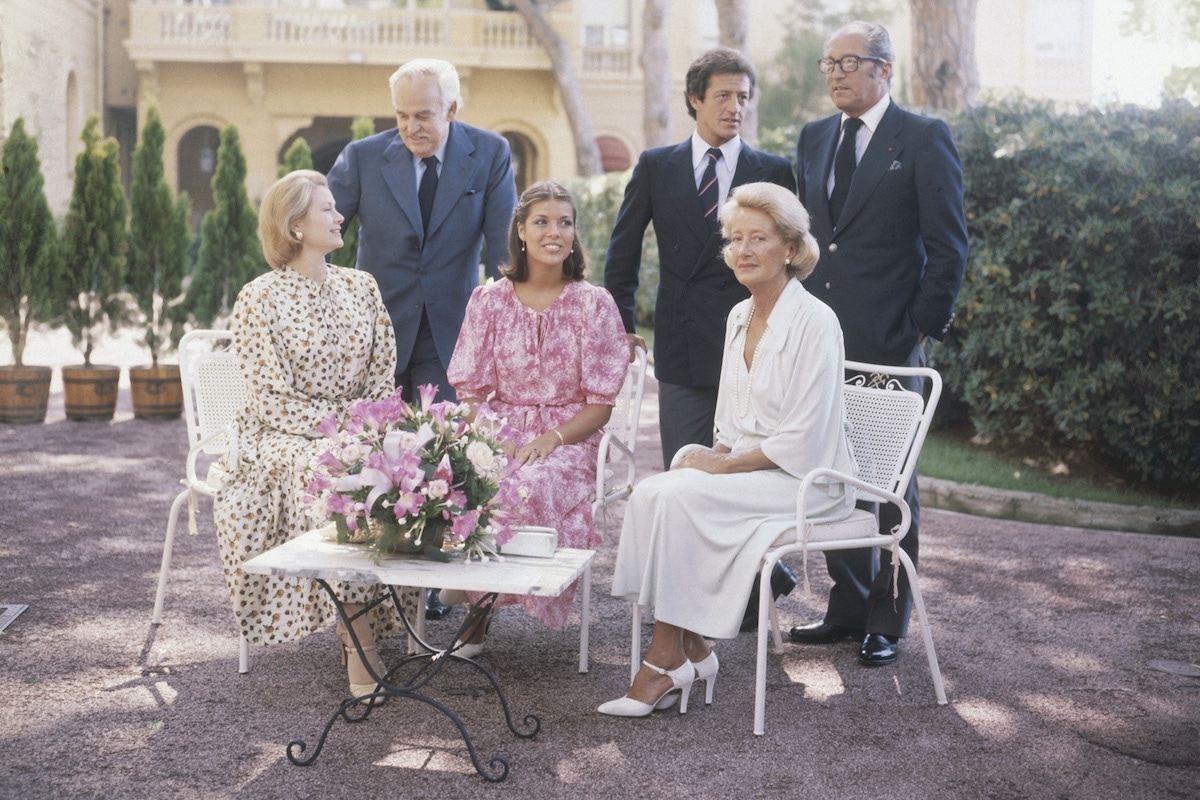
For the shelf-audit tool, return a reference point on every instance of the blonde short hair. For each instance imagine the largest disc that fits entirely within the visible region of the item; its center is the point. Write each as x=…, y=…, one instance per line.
x=788, y=214
x=285, y=204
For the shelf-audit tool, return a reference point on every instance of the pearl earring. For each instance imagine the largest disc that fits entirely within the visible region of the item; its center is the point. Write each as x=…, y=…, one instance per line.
x=522, y=245
x=299, y=235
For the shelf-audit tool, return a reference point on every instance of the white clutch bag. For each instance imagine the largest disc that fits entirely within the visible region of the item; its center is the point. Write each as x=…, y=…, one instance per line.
x=531, y=541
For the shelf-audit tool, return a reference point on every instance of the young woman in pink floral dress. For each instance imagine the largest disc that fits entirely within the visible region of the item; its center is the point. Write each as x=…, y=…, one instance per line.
x=547, y=350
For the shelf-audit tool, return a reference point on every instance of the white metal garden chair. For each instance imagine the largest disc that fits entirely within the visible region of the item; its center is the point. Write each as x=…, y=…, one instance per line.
x=213, y=394
x=888, y=425
x=614, y=479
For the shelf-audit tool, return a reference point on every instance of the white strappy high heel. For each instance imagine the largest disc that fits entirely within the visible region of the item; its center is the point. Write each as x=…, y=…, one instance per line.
x=706, y=670
x=681, y=684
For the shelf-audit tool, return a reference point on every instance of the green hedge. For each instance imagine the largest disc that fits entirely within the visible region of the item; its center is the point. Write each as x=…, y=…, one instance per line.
x=597, y=200
x=1079, y=320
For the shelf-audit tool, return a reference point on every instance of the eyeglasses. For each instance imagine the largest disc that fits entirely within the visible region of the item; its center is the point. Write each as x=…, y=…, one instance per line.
x=847, y=63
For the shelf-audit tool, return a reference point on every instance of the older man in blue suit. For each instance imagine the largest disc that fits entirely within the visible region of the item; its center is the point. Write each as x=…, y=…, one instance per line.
x=427, y=194
x=679, y=189
x=884, y=189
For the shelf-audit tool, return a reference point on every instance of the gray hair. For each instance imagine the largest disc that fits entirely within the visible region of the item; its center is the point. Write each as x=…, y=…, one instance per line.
x=879, y=43
x=444, y=71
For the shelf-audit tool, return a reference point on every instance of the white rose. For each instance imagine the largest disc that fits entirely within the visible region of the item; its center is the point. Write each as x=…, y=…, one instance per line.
x=353, y=452
x=481, y=456
x=409, y=441
x=437, y=489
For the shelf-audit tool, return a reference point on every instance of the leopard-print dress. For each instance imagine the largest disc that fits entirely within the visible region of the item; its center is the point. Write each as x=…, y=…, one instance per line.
x=306, y=350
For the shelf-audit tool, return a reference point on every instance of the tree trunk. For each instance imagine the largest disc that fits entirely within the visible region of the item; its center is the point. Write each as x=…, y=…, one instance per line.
x=587, y=153
x=733, y=27
x=944, y=73
x=656, y=75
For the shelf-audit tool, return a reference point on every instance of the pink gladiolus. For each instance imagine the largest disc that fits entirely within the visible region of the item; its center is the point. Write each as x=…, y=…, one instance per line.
x=428, y=392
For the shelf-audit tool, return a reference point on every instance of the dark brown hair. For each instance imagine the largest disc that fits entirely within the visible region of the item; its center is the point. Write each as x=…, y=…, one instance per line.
x=718, y=61
x=517, y=269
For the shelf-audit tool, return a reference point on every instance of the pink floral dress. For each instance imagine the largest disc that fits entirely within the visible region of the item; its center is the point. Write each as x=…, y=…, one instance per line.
x=539, y=369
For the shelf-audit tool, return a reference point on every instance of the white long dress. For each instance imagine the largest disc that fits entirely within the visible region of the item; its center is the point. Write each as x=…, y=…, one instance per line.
x=692, y=541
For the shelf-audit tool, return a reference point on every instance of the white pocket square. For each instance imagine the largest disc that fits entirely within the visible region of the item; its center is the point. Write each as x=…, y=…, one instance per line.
x=895, y=165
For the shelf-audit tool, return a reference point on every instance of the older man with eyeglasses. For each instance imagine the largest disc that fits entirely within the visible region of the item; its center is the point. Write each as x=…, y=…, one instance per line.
x=884, y=189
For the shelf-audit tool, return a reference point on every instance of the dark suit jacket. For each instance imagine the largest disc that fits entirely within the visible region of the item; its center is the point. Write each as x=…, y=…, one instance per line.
x=892, y=268
x=374, y=178
x=696, y=289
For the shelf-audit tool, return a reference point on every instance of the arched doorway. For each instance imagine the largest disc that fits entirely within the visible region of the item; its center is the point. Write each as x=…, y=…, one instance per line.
x=327, y=137
x=197, y=159
x=614, y=156
x=524, y=158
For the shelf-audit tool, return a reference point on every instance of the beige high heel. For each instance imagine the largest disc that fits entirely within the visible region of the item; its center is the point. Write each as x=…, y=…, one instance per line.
x=361, y=682
x=475, y=621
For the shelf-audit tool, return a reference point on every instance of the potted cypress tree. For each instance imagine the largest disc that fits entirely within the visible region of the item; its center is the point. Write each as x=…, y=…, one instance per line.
x=29, y=274
x=230, y=253
x=158, y=241
x=298, y=156
x=95, y=241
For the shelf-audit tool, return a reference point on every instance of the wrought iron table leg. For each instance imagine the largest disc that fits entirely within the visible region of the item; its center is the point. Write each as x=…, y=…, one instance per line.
x=387, y=689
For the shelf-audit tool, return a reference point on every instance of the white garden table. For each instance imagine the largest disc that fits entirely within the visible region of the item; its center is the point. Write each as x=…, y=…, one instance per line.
x=317, y=555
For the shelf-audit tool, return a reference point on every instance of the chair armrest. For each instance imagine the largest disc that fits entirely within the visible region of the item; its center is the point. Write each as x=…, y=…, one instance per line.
x=863, y=488
x=229, y=433
x=608, y=439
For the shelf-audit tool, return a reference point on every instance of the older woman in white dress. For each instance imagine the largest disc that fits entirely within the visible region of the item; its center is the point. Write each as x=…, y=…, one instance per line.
x=693, y=537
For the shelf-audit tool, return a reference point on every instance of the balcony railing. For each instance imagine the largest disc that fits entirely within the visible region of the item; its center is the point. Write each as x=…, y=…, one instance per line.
x=279, y=31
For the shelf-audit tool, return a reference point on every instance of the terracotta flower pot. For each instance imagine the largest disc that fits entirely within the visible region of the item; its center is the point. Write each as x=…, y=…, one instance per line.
x=156, y=391
x=90, y=392
x=24, y=394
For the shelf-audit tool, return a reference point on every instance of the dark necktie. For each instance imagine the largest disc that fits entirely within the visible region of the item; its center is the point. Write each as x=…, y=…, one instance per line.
x=843, y=167
x=710, y=190
x=427, y=190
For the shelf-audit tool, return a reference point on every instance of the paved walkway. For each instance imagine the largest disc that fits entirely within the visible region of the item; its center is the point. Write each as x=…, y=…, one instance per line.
x=1070, y=657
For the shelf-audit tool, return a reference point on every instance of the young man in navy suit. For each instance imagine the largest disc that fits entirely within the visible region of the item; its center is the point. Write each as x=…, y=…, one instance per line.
x=696, y=289
x=887, y=212
x=426, y=194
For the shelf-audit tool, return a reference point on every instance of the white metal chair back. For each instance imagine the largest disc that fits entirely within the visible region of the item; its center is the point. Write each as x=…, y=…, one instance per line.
x=214, y=392
x=882, y=423
x=213, y=389
x=619, y=442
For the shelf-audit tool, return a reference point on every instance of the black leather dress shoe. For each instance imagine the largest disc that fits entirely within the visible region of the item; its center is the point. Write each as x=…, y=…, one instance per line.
x=434, y=607
x=823, y=633
x=879, y=650
x=783, y=580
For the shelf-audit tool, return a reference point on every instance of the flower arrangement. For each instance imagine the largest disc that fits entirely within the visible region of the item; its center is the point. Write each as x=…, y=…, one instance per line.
x=409, y=479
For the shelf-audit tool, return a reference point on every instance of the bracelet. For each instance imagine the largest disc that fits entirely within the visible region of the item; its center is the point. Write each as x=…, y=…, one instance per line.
x=558, y=433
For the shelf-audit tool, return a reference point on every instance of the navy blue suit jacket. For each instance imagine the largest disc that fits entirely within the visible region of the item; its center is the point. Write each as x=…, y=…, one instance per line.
x=892, y=268
x=374, y=178
x=696, y=289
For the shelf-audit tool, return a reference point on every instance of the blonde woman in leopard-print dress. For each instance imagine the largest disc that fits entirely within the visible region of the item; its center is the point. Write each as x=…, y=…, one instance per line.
x=311, y=337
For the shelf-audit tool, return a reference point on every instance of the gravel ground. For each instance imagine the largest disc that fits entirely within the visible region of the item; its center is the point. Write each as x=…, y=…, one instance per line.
x=1070, y=659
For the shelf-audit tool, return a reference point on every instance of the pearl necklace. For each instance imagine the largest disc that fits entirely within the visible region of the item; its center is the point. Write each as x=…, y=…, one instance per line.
x=743, y=406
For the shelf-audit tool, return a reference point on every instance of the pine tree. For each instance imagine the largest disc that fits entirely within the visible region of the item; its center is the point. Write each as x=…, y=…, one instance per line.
x=230, y=253
x=347, y=254
x=298, y=156
x=95, y=241
x=158, y=241
x=29, y=256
